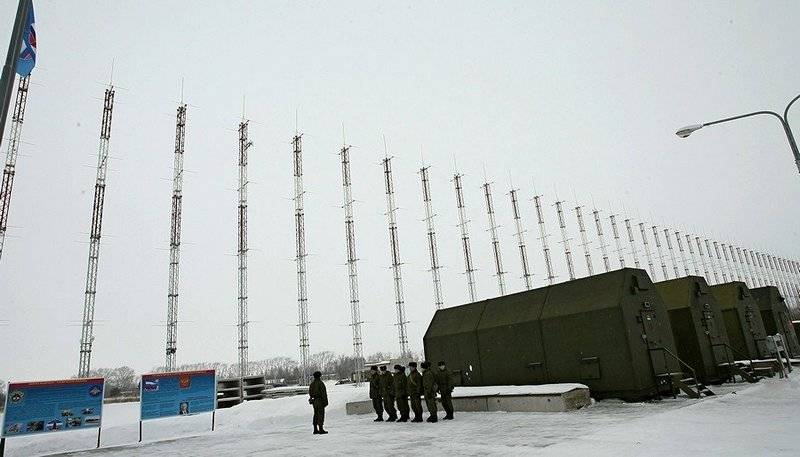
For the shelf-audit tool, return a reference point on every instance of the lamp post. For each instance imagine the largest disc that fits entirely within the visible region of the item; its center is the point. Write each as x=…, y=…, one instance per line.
x=688, y=130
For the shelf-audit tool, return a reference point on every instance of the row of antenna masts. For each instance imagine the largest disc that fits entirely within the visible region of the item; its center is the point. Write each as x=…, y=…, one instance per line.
x=700, y=256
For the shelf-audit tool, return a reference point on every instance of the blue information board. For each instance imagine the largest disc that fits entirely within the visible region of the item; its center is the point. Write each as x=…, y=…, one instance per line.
x=53, y=406
x=179, y=393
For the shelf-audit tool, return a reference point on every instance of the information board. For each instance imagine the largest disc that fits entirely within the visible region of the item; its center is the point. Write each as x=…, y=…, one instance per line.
x=179, y=393
x=53, y=406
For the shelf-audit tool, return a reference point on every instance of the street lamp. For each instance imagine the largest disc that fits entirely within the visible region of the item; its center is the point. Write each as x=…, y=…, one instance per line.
x=688, y=130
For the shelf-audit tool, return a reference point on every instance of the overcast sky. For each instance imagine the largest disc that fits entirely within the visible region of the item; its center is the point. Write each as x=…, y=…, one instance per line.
x=582, y=97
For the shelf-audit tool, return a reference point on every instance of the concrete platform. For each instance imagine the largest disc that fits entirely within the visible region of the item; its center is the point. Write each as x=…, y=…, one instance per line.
x=541, y=398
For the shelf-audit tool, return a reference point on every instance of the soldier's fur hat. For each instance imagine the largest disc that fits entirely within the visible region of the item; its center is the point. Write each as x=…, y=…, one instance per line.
x=317, y=374
x=383, y=367
x=398, y=367
x=412, y=364
x=374, y=368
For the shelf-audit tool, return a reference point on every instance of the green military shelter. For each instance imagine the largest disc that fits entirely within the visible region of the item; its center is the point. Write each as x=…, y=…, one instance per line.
x=742, y=318
x=608, y=331
x=776, y=317
x=697, y=326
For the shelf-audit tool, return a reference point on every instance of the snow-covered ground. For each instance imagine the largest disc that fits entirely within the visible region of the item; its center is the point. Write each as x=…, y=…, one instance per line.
x=743, y=420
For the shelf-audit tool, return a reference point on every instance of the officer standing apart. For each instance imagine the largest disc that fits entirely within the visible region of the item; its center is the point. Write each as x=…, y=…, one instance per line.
x=445, y=383
x=387, y=393
x=375, y=392
x=401, y=392
x=415, y=391
x=319, y=399
x=429, y=389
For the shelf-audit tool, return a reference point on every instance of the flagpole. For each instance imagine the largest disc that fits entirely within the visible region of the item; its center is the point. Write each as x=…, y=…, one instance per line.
x=7, y=81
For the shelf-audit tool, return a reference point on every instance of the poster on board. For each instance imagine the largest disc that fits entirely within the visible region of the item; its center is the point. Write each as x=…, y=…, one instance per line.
x=178, y=393
x=53, y=406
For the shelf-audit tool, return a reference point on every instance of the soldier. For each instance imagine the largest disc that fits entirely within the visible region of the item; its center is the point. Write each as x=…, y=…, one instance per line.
x=445, y=383
x=401, y=392
x=318, y=397
x=387, y=393
x=414, y=391
x=375, y=392
x=429, y=389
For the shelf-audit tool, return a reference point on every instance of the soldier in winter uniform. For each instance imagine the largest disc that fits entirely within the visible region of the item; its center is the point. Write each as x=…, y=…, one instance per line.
x=429, y=389
x=415, y=391
x=375, y=392
x=445, y=386
x=401, y=392
x=318, y=397
x=387, y=393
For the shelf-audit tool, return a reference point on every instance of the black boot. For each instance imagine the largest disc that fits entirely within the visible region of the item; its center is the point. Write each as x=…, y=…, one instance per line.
x=379, y=419
x=432, y=419
x=448, y=417
x=316, y=431
x=417, y=419
x=321, y=431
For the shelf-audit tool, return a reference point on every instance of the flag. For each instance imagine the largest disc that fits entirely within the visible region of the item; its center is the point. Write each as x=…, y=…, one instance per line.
x=27, y=52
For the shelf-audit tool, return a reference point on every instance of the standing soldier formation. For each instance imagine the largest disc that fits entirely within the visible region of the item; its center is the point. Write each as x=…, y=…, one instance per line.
x=389, y=390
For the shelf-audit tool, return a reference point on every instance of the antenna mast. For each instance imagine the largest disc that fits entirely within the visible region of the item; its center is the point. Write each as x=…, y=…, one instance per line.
x=352, y=269
x=745, y=267
x=469, y=270
x=584, y=239
x=243, y=323
x=564, y=239
x=719, y=260
x=702, y=257
x=175, y=240
x=432, y=248
x=682, y=252
x=634, y=251
x=300, y=259
x=647, y=254
x=691, y=253
x=523, y=250
x=618, y=243
x=660, y=253
x=601, y=237
x=87, y=329
x=395, y=251
x=671, y=253
x=543, y=237
x=15, y=132
x=498, y=260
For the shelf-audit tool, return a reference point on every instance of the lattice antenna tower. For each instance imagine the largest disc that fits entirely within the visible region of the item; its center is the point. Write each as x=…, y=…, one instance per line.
x=660, y=251
x=87, y=328
x=15, y=132
x=714, y=263
x=562, y=224
x=720, y=264
x=537, y=202
x=764, y=271
x=671, y=253
x=584, y=239
x=632, y=243
x=175, y=240
x=527, y=277
x=617, y=241
x=647, y=253
x=498, y=258
x=433, y=250
x=394, y=246
x=682, y=252
x=602, y=239
x=352, y=260
x=691, y=254
x=731, y=270
x=469, y=268
x=781, y=282
x=300, y=258
x=243, y=322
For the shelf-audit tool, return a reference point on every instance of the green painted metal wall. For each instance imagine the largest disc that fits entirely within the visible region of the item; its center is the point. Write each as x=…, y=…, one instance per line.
x=742, y=319
x=775, y=315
